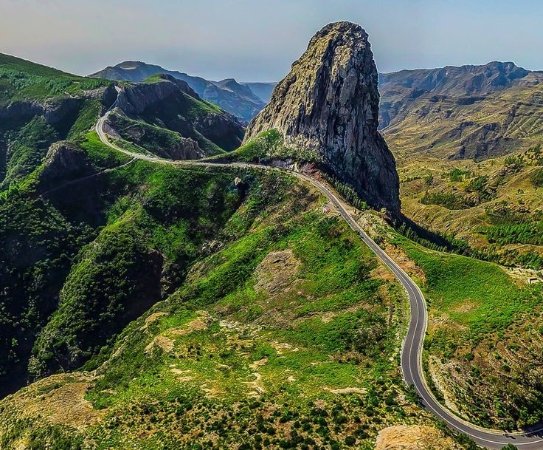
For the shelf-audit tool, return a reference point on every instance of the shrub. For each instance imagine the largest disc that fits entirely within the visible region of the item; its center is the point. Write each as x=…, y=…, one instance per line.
x=537, y=178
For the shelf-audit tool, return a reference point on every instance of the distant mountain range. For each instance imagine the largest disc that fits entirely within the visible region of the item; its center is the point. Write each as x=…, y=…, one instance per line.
x=467, y=112
x=400, y=89
x=243, y=100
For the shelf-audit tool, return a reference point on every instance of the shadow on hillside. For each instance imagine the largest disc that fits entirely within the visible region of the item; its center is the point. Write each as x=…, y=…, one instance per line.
x=416, y=232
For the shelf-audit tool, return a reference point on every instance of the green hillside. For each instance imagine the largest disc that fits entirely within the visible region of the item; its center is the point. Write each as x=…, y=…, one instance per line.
x=484, y=338
x=246, y=328
x=25, y=80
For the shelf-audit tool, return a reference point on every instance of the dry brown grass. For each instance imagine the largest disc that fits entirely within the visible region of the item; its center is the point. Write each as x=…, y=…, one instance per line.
x=58, y=400
x=276, y=273
x=414, y=437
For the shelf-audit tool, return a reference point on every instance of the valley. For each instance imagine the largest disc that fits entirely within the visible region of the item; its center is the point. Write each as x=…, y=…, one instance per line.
x=413, y=363
x=176, y=277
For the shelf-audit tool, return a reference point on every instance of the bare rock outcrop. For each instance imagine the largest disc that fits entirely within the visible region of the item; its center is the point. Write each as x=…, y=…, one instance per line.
x=329, y=104
x=64, y=161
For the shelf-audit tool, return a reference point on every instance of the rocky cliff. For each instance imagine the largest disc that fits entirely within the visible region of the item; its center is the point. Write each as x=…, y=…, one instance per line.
x=171, y=104
x=329, y=103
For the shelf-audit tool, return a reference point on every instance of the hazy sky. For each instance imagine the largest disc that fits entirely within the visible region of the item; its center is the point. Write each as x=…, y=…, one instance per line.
x=256, y=40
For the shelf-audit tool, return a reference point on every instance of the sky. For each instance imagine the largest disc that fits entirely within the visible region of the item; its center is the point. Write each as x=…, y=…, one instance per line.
x=257, y=40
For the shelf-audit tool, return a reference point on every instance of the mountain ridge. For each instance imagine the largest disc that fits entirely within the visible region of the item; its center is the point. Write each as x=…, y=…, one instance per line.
x=233, y=97
x=464, y=112
x=399, y=89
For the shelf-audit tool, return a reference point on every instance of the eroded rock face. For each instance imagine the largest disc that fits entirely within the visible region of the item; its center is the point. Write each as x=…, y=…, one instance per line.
x=167, y=103
x=64, y=161
x=329, y=103
x=136, y=99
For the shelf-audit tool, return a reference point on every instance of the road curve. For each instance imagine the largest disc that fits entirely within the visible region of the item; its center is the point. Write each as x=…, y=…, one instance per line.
x=411, y=354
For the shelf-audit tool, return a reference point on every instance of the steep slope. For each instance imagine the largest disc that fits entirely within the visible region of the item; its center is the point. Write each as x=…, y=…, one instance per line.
x=58, y=185
x=262, y=90
x=468, y=112
x=165, y=116
x=252, y=344
x=92, y=241
x=470, y=165
x=468, y=145
x=38, y=106
x=328, y=104
x=228, y=94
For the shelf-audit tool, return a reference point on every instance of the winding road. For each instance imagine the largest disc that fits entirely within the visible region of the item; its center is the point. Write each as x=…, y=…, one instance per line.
x=411, y=354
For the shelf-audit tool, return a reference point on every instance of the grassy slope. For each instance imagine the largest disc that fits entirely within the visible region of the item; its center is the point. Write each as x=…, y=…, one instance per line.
x=164, y=222
x=484, y=339
x=265, y=147
x=486, y=204
x=26, y=142
x=25, y=80
x=226, y=350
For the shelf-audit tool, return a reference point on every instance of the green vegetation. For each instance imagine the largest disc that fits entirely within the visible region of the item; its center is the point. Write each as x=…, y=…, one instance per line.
x=494, y=298
x=521, y=233
x=86, y=119
x=347, y=192
x=24, y=80
x=116, y=281
x=27, y=132
x=45, y=238
x=235, y=360
x=157, y=140
x=479, y=185
x=537, y=178
x=330, y=335
x=38, y=247
x=449, y=200
x=28, y=147
x=495, y=211
x=456, y=175
x=100, y=155
x=267, y=146
x=226, y=354
x=479, y=319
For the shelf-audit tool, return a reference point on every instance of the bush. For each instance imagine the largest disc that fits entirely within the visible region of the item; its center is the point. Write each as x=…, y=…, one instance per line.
x=537, y=178
x=449, y=200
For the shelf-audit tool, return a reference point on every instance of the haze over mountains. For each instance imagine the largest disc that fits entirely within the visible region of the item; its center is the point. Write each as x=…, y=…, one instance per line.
x=154, y=302
x=476, y=126
x=233, y=97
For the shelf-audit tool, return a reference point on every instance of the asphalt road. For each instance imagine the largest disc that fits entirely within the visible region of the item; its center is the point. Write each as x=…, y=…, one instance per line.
x=411, y=356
